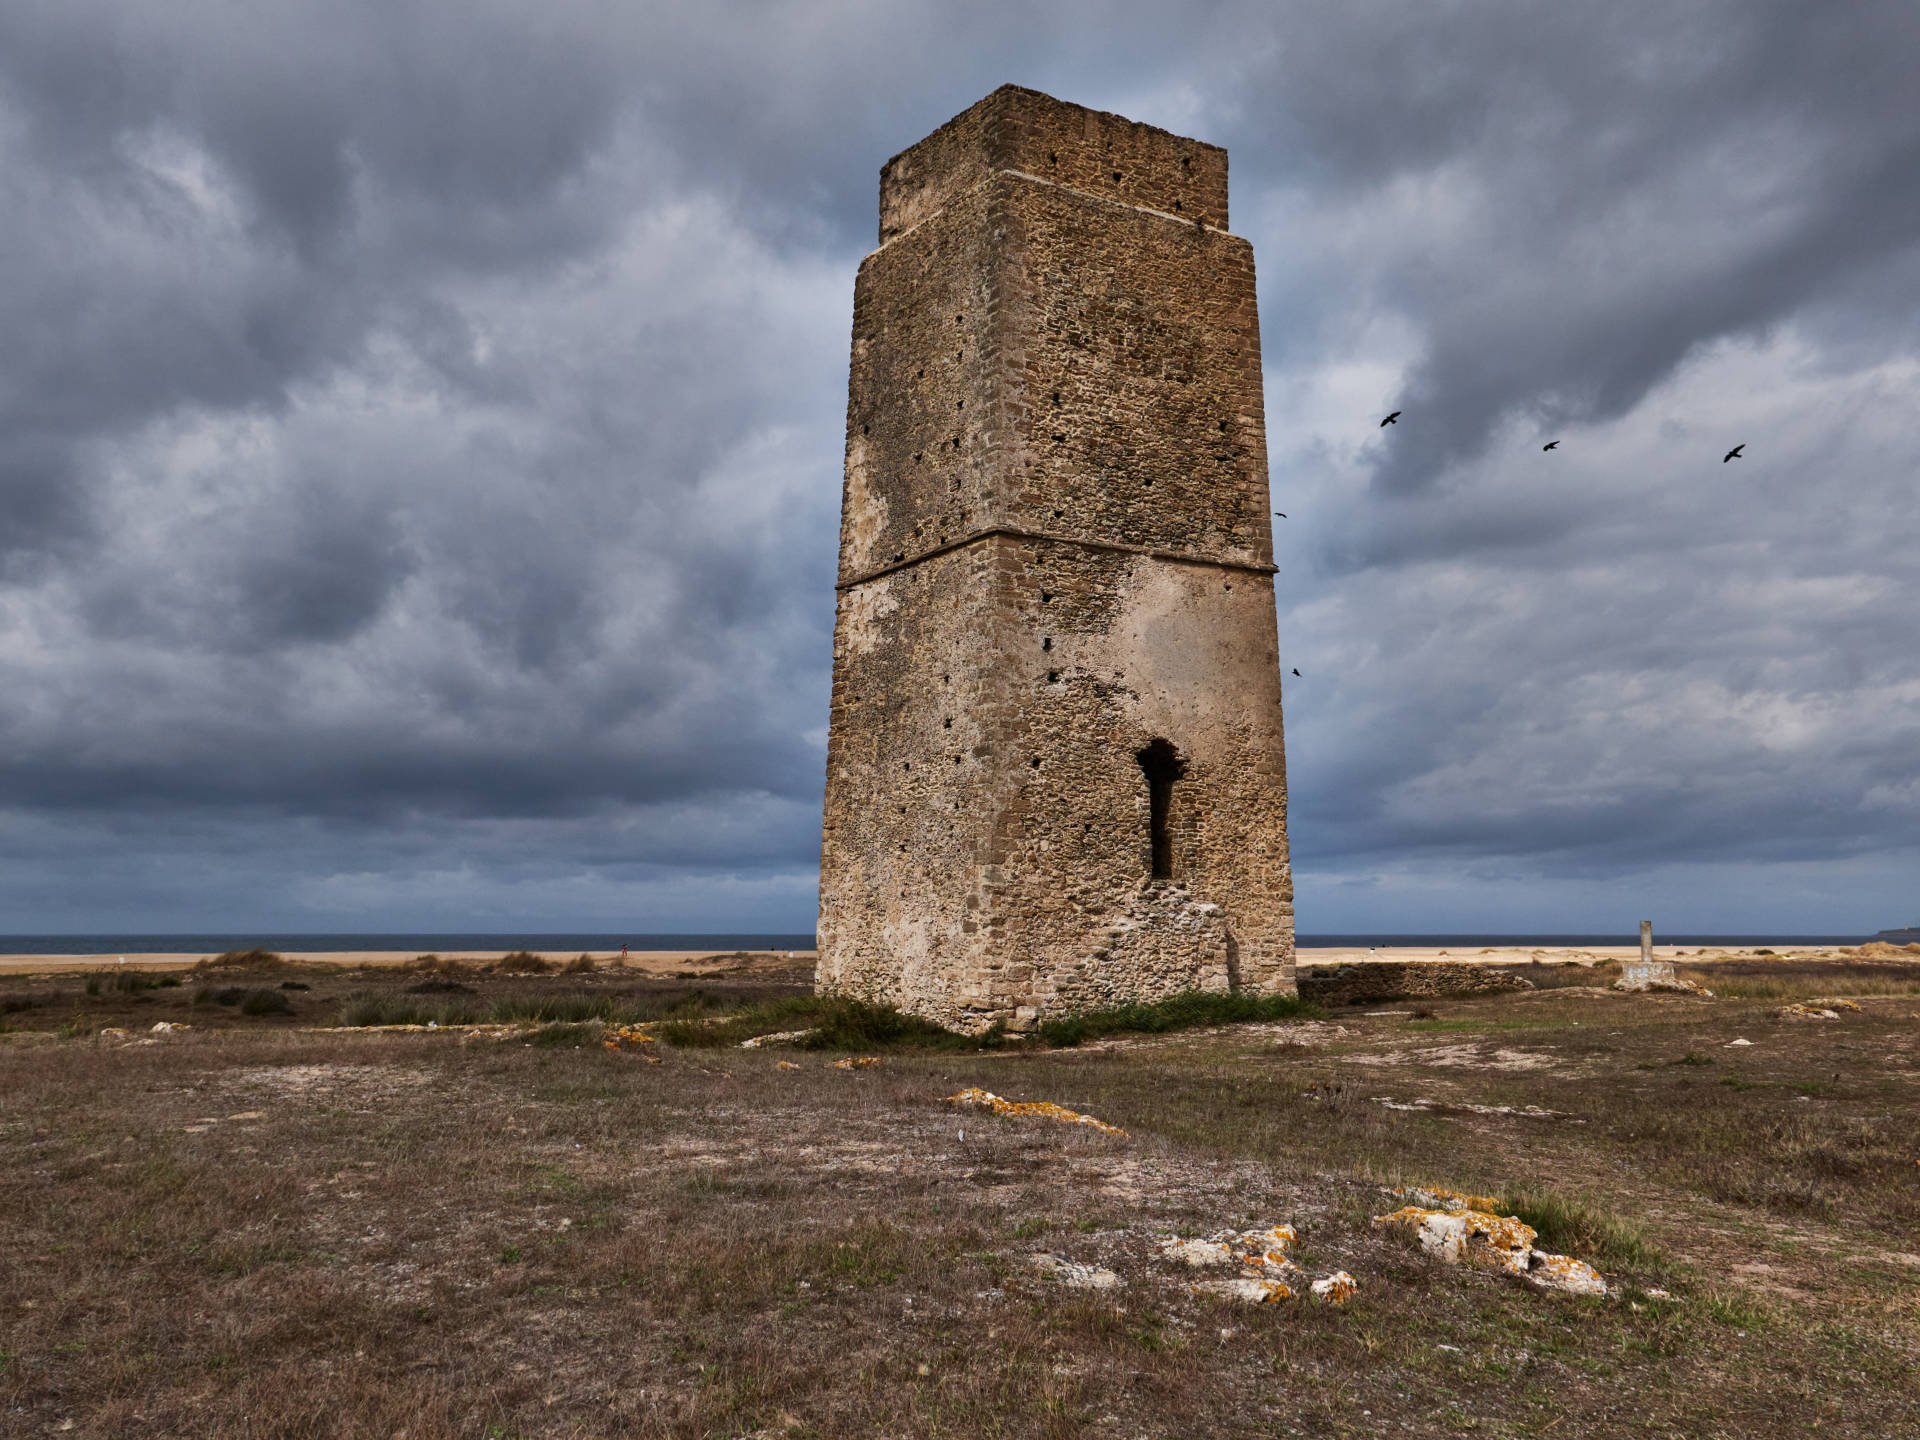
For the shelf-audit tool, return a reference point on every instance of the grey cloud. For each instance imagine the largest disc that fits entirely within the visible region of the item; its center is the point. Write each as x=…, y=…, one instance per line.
x=419, y=437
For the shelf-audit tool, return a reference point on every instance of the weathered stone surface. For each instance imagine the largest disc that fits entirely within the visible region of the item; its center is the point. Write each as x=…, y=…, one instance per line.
x=1055, y=586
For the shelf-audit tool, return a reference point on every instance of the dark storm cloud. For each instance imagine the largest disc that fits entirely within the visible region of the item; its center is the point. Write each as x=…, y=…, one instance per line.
x=419, y=438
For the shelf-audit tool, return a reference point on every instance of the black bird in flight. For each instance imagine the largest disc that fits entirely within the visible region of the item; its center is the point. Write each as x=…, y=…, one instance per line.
x=1296, y=672
x=1281, y=513
x=1390, y=419
x=1550, y=445
x=1734, y=453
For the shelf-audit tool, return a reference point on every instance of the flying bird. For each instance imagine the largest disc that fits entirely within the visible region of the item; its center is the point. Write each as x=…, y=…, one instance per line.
x=1296, y=672
x=1281, y=513
x=1550, y=445
x=1390, y=419
x=1734, y=453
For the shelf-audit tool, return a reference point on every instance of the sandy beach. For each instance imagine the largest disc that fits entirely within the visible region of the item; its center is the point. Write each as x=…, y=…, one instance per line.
x=679, y=962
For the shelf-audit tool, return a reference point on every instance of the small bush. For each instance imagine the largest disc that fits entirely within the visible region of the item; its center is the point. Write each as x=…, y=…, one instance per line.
x=265, y=1002
x=580, y=965
x=293, y=985
x=522, y=962
x=1578, y=1227
x=440, y=985
x=1190, y=1011
x=559, y=1010
x=254, y=959
x=225, y=995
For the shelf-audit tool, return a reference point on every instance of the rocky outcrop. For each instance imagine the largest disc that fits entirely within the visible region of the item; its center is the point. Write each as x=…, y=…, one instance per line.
x=1371, y=981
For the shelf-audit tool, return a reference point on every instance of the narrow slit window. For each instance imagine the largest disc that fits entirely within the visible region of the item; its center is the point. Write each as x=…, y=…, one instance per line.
x=1161, y=764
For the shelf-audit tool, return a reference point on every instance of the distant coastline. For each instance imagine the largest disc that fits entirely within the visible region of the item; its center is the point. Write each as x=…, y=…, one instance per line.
x=1905, y=932
x=640, y=942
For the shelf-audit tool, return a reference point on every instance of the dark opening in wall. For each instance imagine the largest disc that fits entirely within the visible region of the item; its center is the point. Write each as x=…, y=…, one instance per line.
x=1161, y=764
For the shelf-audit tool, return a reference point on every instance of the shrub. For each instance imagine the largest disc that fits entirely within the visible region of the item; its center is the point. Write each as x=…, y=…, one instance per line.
x=265, y=1002
x=580, y=965
x=1579, y=1227
x=522, y=962
x=254, y=959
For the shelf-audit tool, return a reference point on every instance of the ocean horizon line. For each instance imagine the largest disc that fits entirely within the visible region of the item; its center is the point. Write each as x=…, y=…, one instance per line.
x=444, y=941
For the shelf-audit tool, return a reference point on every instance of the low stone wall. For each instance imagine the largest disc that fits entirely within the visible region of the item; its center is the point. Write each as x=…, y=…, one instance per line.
x=1403, y=980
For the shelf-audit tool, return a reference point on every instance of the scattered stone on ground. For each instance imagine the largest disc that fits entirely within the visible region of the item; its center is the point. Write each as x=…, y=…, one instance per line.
x=1805, y=1012
x=1266, y=1272
x=1460, y=1232
x=1072, y=1273
x=1741, y=1041
x=858, y=1062
x=1829, y=1002
x=985, y=1099
x=780, y=1037
x=1335, y=1289
x=785, y=1065
x=629, y=1037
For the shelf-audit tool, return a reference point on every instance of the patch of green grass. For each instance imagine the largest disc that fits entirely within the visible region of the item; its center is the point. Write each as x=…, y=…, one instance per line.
x=834, y=1023
x=1191, y=1011
x=394, y=1010
x=564, y=1034
x=1580, y=1227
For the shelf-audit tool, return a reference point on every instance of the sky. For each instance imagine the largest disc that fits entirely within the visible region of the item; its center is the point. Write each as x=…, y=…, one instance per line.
x=421, y=430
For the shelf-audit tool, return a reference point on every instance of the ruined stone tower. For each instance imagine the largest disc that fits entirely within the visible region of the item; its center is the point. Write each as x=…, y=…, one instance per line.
x=1055, y=778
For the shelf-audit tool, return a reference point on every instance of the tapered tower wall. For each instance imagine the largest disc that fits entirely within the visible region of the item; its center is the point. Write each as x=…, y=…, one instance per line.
x=1055, y=561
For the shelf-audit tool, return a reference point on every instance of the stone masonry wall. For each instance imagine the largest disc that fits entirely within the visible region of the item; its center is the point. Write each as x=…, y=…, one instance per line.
x=1055, y=550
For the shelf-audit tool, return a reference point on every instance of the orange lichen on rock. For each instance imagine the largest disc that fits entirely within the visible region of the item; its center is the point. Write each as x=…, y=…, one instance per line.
x=1498, y=1242
x=626, y=1037
x=1435, y=1198
x=785, y=1065
x=1336, y=1289
x=1267, y=1274
x=1814, y=1011
x=857, y=1062
x=1829, y=1002
x=987, y=1100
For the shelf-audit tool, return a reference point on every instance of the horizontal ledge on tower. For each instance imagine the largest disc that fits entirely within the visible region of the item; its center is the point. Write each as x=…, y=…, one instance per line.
x=1174, y=557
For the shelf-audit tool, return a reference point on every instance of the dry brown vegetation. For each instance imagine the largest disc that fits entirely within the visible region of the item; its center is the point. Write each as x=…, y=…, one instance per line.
x=262, y=1227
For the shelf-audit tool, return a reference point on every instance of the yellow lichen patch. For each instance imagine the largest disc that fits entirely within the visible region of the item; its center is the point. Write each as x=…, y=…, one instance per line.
x=626, y=1037
x=1502, y=1242
x=984, y=1099
x=1436, y=1198
x=857, y=1062
x=1336, y=1289
x=1563, y=1272
x=1829, y=1002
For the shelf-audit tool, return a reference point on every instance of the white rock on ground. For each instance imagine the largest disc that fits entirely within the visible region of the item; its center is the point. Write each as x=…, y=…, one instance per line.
x=1072, y=1273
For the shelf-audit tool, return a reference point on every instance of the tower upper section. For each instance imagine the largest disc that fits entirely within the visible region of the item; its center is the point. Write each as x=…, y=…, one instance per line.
x=1058, y=339
x=1092, y=151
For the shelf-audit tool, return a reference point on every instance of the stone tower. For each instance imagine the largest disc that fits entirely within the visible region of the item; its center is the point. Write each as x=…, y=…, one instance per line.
x=1055, y=777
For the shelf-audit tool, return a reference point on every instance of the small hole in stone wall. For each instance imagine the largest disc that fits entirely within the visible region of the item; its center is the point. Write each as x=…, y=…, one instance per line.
x=1058, y=513
x=1223, y=427
x=906, y=765
x=921, y=375
x=1047, y=644
x=958, y=318
x=1056, y=397
x=1053, y=677
x=866, y=429
x=956, y=759
x=1116, y=177
x=947, y=724
x=1229, y=587
x=1059, y=439
x=1046, y=597
x=956, y=442
x=1052, y=158
x=1186, y=163
x=961, y=405
x=1176, y=204
x=1148, y=484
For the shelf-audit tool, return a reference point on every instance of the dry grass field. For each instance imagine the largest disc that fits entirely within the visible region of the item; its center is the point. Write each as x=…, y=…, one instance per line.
x=272, y=1225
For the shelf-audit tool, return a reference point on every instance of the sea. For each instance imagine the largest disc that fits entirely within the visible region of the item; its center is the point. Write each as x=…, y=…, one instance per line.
x=455, y=943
